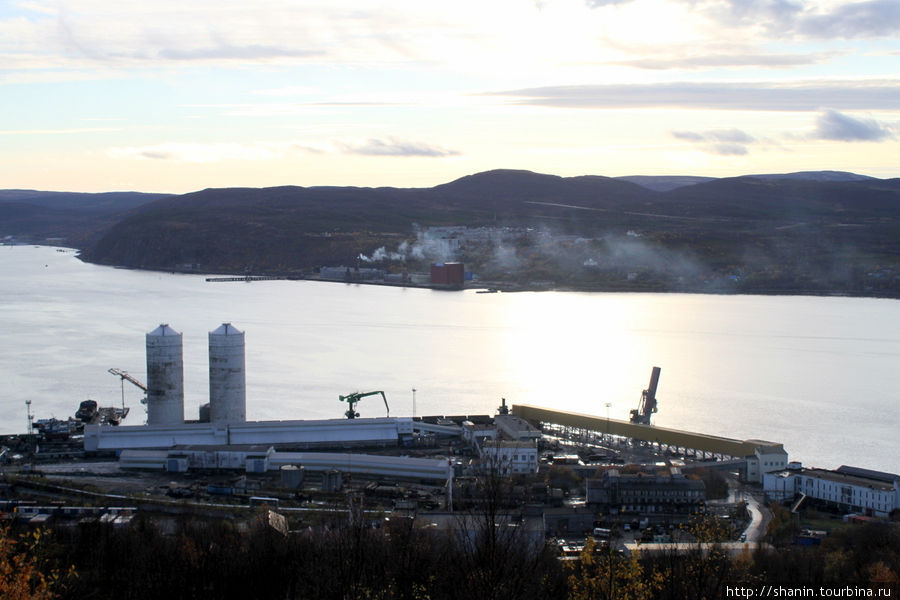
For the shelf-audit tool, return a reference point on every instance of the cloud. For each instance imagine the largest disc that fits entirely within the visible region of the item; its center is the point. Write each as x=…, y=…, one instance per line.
x=689, y=136
x=876, y=18
x=602, y=3
x=207, y=153
x=394, y=147
x=724, y=142
x=772, y=96
x=731, y=135
x=806, y=18
x=76, y=131
x=832, y=125
x=229, y=52
x=769, y=15
x=191, y=152
x=717, y=60
x=730, y=150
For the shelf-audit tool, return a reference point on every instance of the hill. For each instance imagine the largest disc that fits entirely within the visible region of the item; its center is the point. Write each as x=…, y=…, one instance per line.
x=816, y=232
x=70, y=217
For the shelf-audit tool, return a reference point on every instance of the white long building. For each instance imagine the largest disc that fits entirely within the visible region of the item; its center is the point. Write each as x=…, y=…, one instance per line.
x=304, y=434
x=259, y=459
x=848, y=489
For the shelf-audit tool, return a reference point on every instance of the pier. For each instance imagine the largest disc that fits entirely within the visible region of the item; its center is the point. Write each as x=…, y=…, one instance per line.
x=245, y=278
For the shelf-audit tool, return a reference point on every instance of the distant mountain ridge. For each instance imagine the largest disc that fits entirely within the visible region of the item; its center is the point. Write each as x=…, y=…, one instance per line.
x=664, y=183
x=72, y=216
x=812, y=227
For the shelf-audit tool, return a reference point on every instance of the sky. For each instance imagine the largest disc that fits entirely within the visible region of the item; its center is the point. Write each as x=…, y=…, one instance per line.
x=177, y=96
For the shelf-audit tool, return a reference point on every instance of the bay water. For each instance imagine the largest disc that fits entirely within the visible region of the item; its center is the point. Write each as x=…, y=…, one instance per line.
x=819, y=374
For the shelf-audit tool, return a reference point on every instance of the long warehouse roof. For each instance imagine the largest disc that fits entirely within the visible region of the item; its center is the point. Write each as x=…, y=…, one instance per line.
x=648, y=433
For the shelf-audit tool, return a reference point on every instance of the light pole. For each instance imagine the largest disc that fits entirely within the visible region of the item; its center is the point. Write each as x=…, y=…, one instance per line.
x=414, y=401
x=608, y=404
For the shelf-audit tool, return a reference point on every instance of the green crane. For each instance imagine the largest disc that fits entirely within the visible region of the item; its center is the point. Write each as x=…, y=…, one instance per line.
x=355, y=397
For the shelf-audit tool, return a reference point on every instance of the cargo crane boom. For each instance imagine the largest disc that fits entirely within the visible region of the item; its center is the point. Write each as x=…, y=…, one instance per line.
x=126, y=377
x=648, y=401
x=355, y=397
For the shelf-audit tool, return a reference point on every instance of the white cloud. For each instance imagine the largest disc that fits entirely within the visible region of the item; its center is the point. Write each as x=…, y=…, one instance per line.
x=395, y=147
x=260, y=151
x=69, y=131
x=771, y=96
x=816, y=19
x=728, y=58
x=730, y=149
x=206, y=153
x=724, y=142
x=832, y=125
x=875, y=18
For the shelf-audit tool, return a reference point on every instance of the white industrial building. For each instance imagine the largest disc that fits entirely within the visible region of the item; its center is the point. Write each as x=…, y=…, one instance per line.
x=476, y=434
x=304, y=434
x=516, y=428
x=259, y=459
x=766, y=458
x=848, y=489
x=509, y=458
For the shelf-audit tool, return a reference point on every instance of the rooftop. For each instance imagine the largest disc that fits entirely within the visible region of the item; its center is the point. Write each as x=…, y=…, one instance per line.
x=868, y=473
x=837, y=477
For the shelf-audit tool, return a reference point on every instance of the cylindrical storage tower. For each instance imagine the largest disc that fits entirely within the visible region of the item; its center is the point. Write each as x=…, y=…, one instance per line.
x=165, y=377
x=227, y=383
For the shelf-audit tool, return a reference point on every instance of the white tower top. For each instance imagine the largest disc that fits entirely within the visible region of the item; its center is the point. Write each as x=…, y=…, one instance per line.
x=163, y=330
x=226, y=329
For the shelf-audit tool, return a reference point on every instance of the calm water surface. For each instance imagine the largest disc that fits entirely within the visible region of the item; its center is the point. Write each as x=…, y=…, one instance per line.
x=818, y=374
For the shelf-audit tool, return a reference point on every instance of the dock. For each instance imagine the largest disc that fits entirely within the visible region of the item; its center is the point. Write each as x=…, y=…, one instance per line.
x=245, y=278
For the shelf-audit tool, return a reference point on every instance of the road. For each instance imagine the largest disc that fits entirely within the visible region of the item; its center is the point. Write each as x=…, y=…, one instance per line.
x=760, y=517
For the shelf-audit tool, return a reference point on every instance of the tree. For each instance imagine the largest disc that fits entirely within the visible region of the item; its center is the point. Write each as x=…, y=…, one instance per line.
x=607, y=575
x=21, y=574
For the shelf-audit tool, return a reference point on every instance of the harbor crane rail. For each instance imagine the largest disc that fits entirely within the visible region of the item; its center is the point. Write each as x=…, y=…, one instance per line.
x=355, y=397
x=648, y=406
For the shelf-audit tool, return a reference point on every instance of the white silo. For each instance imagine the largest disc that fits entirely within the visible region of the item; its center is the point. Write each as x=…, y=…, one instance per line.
x=227, y=383
x=165, y=377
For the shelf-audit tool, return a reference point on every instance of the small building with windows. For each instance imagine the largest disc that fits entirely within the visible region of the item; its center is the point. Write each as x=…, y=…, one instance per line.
x=646, y=493
x=509, y=458
x=766, y=458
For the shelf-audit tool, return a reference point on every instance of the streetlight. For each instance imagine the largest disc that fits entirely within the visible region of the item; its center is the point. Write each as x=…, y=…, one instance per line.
x=608, y=404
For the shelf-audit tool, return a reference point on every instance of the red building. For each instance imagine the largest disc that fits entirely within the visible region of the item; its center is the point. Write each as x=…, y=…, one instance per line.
x=449, y=274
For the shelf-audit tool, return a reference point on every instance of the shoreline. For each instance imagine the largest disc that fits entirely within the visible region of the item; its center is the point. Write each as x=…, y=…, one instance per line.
x=504, y=286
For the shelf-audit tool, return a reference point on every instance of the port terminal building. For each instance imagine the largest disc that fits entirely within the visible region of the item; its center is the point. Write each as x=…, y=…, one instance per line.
x=756, y=457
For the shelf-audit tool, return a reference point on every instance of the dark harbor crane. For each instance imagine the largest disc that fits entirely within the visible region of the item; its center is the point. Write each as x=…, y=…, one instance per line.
x=355, y=397
x=124, y=376
x=641, y=415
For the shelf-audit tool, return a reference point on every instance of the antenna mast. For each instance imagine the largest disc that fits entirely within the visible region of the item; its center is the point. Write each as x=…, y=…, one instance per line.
x=30, y=417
